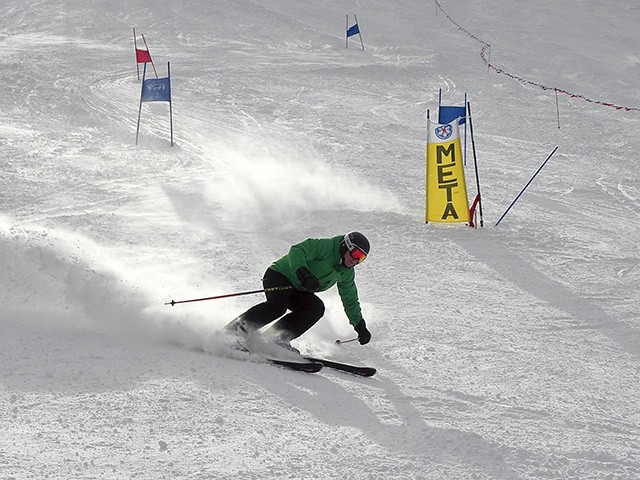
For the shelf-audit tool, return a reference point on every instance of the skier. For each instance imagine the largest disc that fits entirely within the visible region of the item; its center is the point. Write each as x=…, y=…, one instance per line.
x=314, y=265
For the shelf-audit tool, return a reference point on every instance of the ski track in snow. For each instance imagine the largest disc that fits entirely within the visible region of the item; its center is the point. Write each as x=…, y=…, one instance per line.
x=502, y=353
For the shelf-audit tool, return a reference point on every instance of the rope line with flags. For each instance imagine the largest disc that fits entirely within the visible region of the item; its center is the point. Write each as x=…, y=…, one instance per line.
x=486, y=48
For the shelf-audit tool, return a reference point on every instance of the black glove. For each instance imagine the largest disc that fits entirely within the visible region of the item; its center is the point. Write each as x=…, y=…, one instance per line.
x=364, y=335
x=307, y=280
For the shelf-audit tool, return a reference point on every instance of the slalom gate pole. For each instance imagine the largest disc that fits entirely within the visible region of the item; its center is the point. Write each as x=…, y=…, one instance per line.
x=465, y=129
x=359, y=34
x=272, y=289
x=525, y=187
x=347, y=31
x=170, y=106
x=135, y=46
x=147, y=47
x=557, y=108
x=144, y=74
x=475, y=162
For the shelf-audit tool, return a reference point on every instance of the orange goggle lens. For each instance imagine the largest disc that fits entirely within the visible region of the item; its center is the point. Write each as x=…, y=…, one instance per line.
x=358, y=255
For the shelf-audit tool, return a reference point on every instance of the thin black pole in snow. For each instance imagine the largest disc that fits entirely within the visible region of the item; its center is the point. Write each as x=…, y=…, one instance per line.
x=525, y=187
x=170, y=102
x=426, y=177
x=465, y=132
x=557, y=108
x=144, y=73
x=475, y=162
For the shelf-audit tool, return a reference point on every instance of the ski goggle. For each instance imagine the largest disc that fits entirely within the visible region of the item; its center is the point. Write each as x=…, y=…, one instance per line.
x=356, y=252
x=357, y=255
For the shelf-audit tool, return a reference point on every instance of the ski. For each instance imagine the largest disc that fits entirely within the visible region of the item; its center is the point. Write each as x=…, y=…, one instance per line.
x=300, y=363
x=302, y=366
x=344, y=367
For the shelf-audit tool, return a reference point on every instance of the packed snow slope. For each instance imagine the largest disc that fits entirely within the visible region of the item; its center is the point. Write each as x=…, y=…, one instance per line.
x=507, y=352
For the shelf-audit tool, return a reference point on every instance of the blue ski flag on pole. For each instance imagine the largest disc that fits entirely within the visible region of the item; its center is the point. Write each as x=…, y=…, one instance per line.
x=156, y=90
x=448, y=113
x=353, y=30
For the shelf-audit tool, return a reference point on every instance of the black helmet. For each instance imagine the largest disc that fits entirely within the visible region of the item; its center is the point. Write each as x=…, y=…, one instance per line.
x=355, y=243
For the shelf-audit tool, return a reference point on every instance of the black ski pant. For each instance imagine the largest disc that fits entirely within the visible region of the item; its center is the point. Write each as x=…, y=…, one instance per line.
x=305, y=308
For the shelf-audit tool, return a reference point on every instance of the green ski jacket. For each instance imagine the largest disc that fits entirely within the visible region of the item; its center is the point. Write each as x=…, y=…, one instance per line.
x=322, y=257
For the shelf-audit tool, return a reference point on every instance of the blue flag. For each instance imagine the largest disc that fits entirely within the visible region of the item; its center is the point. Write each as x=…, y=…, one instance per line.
x=354, y=30
x=156, y=90
x=448, y=113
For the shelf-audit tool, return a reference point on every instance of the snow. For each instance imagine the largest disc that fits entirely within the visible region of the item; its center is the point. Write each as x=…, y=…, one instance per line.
x=507, y=352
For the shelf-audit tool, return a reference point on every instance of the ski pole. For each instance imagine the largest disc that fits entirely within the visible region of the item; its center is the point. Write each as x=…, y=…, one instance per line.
x=271, y=289
x=340, y=342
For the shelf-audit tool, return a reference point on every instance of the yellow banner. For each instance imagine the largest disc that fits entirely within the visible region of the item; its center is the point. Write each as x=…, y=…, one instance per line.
x=446, y=196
